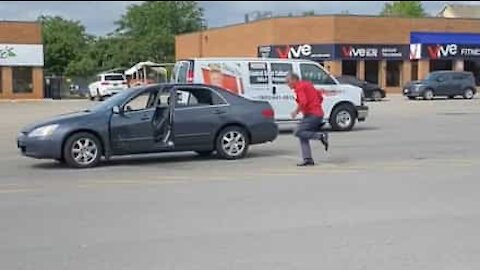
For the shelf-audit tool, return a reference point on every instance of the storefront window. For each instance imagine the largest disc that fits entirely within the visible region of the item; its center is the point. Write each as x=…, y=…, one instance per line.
x=349, y=67
x=441, y=65
x=414, y=70
x=22, y=80
x=371, y=71
x=474, y=67
x=394, y=73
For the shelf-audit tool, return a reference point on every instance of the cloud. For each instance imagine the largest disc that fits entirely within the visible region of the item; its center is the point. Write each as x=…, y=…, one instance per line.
x=99, y=16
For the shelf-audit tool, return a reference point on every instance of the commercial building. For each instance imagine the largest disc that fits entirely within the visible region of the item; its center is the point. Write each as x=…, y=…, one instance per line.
x=389, y=51
x=21, y=60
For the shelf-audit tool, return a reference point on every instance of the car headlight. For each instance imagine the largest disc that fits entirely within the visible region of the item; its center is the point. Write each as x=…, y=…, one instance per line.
x=43, y=131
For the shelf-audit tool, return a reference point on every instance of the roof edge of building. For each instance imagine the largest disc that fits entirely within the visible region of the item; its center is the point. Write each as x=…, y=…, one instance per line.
x=19, y=21
x=326, y=15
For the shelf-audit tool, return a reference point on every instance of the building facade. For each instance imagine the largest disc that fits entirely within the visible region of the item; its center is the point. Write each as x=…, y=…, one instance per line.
x=389, y=51
x=21, y=60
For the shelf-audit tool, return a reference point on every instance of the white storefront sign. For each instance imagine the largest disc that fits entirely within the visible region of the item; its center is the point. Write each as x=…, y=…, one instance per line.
x=21, y=55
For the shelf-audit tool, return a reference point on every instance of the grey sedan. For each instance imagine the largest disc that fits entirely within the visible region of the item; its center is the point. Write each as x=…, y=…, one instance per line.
x=152, y=119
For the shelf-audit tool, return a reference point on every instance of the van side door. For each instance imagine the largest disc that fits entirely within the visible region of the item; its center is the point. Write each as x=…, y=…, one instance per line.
x=282, y=97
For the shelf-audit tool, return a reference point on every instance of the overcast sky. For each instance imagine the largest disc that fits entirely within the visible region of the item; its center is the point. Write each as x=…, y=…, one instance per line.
x=99, y=16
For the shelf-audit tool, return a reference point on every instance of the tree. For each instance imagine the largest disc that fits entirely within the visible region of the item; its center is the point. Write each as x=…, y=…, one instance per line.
x=149, y=28
x=64, y=41
x=404, y=9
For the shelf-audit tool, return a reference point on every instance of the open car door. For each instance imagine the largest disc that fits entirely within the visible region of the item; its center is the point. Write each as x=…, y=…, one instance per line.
x=143, y=124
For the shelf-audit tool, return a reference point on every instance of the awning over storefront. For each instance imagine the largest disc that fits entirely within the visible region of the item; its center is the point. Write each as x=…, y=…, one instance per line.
x=425, y=45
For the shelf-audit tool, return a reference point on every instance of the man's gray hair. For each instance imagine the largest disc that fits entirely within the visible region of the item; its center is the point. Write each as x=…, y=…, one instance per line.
x=293, y=75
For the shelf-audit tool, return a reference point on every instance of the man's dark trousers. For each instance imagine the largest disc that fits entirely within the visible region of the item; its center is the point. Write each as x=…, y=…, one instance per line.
x=308, y=129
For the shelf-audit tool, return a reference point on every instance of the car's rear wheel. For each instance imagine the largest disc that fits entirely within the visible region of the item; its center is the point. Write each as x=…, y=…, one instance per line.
x=468, y=93
x=451, y=97
x=377, y=95
x=343, y=117
x=232, y=143
x=90, y=96
x=412, y=98
x=428, y=94
x=82, y=150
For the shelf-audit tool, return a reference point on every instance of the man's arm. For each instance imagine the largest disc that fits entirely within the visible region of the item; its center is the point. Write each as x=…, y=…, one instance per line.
x=301, y=102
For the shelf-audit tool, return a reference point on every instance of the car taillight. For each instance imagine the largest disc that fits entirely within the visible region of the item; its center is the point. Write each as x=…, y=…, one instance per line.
x=268, y=113
x=105, y=83
x=190, y=76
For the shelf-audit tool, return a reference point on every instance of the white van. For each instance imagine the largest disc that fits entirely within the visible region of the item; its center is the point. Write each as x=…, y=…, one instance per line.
x=265, y=79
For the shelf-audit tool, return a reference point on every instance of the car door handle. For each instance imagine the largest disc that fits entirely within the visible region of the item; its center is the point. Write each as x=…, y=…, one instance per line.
x=274, y=90
x=219, y=111
x=145, y=118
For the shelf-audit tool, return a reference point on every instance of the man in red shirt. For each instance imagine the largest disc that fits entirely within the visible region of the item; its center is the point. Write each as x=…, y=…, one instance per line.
x=309, y=103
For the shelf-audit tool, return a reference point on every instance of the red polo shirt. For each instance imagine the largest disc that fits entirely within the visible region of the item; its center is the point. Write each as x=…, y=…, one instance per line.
x=309, y=99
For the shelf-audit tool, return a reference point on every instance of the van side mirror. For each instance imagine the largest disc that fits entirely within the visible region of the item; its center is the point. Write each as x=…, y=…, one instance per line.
x=116, y=110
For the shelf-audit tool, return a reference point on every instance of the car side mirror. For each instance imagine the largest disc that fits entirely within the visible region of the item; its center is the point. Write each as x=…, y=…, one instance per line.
x=116, y=110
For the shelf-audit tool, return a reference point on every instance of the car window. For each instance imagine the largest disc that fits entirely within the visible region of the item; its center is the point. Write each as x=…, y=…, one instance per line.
x=460, y=76
x=280, y=72
x=193, y=97
x=138, y=103
x=114, y=78
x=315, y=74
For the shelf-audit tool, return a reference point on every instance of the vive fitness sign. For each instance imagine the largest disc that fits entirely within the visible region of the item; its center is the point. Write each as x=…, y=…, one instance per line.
x=21, y=55
x=319, y=52
x=444, y=51
x=316, y=52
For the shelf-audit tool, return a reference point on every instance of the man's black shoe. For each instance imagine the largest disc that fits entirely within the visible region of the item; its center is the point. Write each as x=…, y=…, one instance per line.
x=306, y=162
x=324, y=139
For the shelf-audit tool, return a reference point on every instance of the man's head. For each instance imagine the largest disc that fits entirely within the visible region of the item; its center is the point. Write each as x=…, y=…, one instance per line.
x=292, y=79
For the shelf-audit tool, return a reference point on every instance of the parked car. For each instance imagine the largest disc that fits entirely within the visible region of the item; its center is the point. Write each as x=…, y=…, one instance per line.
x=442, y=83
x=371, y=91
x=265, y=79
x=107, y=85
x=150, y=119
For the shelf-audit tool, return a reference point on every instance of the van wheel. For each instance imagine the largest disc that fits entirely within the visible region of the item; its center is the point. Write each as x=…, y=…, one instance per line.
x=99, y=97
x=82, y=150
x=343, y=117
x=468, y=93
x=232, y=143
x=428, y=94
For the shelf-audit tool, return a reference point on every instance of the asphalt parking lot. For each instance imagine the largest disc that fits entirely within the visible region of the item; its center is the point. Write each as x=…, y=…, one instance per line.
x=398, y=192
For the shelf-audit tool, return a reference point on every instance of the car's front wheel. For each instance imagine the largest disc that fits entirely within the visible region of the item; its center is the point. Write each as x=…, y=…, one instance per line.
x=343, y=117
x=82, y=150
x=428, y=94
x=468, y=93
x=232, y=143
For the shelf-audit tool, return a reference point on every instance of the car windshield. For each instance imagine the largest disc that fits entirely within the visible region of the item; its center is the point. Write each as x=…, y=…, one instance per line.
x=115, y=100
